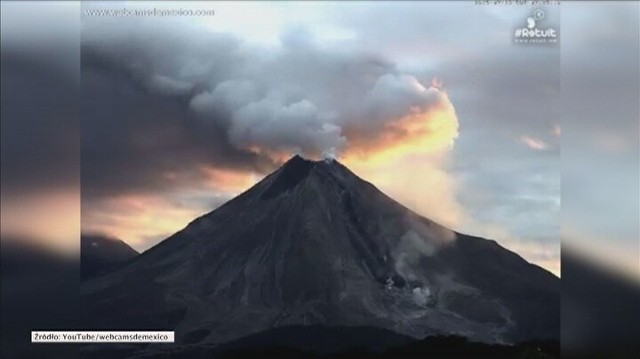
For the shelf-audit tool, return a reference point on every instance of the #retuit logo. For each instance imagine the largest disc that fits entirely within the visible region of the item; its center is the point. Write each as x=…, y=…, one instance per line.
x=533, y=32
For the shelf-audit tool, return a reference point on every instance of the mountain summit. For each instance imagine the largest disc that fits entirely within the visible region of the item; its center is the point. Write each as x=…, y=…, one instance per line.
x=99, y=254
x=314, y=244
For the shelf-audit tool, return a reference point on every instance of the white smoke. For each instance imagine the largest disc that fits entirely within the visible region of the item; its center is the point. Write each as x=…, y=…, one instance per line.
x=330, y=154
x=421, y=241
x=421, y=295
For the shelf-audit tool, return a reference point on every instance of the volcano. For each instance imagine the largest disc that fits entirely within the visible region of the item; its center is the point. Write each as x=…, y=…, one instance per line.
x=100, y=253
x=312, y=244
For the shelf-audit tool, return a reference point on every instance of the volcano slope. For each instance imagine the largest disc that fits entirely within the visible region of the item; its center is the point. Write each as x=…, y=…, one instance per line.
x=314, y=244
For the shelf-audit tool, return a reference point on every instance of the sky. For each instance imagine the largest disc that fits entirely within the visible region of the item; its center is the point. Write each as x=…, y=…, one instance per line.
x=601, y=147
x=433, y=103
x=40, y=134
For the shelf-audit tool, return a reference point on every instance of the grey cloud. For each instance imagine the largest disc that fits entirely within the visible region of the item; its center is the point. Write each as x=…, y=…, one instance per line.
x=277, y=126
x=296, y=98
x=131, y=139
x=397, y=96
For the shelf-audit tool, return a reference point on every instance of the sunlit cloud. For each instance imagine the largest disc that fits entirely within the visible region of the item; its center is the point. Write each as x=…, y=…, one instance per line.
x=407, y=159
x=421, y=131
x=534, y=143
x=231, y=182
x=418, y=182
x=140, y=220
x=143, y=219
x=545, y=254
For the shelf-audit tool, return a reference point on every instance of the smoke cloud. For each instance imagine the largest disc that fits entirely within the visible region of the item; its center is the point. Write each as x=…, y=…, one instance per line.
x=295, y=97
x=422, y=241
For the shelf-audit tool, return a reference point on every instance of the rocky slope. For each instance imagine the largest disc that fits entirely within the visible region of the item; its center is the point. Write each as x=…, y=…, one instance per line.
x=313, y=244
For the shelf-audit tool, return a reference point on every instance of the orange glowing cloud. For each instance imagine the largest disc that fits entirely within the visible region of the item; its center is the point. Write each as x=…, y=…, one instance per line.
x=419, y=182
x=407, y=160
x=229, y=181
x=429, y=131
x=143, y=219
